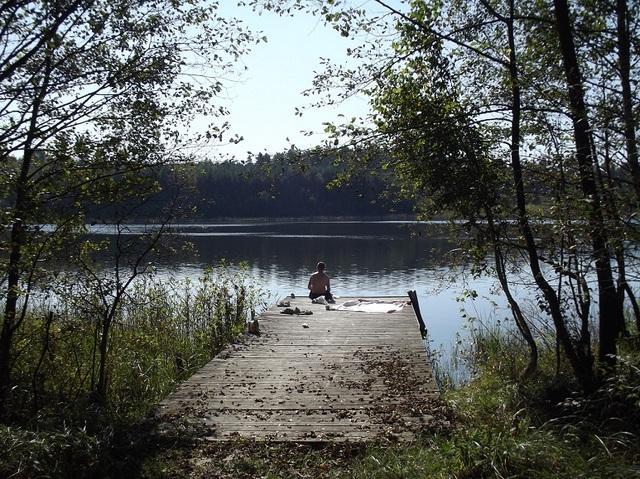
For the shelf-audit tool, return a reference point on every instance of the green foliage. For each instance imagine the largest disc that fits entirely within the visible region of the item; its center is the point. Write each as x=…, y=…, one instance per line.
x=95, y=96
x=501, y=427
x=442, y=163
x=473, y=119
x=292, y=184
x=163, y=332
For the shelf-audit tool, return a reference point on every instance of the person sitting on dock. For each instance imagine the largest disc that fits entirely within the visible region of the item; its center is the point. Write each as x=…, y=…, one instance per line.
x=319, y=284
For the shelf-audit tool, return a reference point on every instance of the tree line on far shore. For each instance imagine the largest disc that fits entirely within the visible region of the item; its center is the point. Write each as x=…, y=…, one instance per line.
x=289, y=184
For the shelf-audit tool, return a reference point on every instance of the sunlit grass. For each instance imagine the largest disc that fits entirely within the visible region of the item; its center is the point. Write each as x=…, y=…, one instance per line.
x=505, y=427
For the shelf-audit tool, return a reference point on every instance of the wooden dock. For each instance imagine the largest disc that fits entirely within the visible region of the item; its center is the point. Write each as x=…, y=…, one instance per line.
x=329, y=376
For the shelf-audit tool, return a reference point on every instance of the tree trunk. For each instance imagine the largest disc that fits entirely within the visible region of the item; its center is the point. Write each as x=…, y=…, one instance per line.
x=608, y=187
x=521, y=323
x=610, y=313
x=18, y=240
x=634, y=305
x=101, y=388
x=624, y=59
x=580, y=363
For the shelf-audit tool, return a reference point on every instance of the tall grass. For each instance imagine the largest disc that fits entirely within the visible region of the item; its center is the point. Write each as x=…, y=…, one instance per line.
x=163, y=331
x=505, y=427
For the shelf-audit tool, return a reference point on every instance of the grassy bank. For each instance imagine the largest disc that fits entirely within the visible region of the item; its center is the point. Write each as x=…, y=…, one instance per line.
x=539, y=428
x=504, y=426
x=162, y=332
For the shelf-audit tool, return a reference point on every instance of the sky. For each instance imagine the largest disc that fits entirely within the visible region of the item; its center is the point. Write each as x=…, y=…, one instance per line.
x=263, y=102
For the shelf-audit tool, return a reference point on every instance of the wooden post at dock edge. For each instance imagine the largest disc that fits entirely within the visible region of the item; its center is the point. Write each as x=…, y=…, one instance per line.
x=416, y=308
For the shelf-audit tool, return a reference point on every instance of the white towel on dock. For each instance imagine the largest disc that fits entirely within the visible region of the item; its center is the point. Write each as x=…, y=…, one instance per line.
x=371, y=306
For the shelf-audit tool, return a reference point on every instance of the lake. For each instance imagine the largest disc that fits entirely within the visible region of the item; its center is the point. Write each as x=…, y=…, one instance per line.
x=364, y=258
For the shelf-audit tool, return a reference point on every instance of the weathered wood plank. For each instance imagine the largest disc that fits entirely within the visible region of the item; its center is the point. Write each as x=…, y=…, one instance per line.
x=332, y=375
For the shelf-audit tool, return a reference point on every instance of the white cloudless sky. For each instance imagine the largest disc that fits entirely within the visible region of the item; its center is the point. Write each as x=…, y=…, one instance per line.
x=263, y=100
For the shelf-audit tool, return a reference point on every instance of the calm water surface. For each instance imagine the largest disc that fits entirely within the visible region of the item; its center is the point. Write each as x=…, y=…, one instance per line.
x=377, y=258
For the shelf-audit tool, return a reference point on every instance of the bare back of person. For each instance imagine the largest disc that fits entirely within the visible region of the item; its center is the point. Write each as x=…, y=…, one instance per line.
x=319, y=283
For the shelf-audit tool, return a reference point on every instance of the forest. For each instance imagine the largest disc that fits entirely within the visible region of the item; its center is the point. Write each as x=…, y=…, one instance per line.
x=290, y=185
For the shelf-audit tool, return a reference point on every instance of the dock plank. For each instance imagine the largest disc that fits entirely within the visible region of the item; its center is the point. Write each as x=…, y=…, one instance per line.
x=330, y=376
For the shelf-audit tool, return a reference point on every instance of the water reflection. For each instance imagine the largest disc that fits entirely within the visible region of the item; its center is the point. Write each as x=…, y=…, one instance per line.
x=363, y=258
x=378, y=258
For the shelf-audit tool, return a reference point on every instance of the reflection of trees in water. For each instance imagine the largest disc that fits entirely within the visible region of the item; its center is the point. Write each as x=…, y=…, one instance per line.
x=341, y=254
x=362, y=258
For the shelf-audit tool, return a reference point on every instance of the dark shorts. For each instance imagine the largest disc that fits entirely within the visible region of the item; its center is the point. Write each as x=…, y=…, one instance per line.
x=327, y=295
